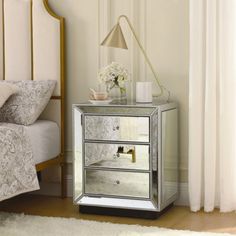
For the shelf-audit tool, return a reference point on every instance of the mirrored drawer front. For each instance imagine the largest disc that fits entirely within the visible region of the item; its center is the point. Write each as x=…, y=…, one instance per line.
x=125, y=184
x=117, y=156
x=117, y=128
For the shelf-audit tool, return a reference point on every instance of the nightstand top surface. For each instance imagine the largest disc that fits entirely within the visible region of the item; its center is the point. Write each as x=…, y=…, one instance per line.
x=155, y=103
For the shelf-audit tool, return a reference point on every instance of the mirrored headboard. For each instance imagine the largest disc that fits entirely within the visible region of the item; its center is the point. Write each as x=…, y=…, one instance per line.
x=32, y=48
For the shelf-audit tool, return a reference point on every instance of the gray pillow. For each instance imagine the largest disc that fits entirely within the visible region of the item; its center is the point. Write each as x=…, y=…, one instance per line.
x=28, y=103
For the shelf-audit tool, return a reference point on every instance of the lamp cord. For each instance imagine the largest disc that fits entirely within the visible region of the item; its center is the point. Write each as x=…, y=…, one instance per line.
x=165, y=90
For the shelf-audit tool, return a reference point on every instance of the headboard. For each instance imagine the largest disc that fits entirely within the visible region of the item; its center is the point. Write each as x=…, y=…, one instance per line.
x=32, y=48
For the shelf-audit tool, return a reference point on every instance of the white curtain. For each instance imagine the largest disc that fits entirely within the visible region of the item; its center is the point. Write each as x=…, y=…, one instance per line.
x=212, y=105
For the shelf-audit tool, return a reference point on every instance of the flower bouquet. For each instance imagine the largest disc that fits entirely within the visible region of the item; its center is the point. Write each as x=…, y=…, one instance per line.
x=114, y=76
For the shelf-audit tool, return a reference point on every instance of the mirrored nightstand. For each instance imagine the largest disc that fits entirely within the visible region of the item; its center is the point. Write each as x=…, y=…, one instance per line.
x=125, y=158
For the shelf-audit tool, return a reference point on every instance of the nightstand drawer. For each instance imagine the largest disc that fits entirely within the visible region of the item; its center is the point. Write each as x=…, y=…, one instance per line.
x=126, y=184
x=120, y=156
x=117, y=128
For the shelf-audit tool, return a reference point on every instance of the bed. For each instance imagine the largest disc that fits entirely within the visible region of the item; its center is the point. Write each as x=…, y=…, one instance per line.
x=32, y=48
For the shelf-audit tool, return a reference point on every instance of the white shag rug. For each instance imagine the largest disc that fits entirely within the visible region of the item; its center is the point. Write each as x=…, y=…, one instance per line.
x=25, y=225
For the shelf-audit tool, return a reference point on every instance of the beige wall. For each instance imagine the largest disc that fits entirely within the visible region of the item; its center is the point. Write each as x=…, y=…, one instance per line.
x=162, y=26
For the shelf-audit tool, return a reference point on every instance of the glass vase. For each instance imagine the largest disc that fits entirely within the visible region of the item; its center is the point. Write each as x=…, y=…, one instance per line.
x=118, y=94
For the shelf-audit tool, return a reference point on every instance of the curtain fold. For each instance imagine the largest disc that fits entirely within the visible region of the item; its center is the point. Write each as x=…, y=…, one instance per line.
x=212, y=105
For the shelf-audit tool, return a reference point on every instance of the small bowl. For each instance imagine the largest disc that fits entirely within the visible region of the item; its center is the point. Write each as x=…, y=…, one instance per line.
x=100, y=95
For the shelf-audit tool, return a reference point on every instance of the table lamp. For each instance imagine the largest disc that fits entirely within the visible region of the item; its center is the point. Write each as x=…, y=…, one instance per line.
x=116, y=39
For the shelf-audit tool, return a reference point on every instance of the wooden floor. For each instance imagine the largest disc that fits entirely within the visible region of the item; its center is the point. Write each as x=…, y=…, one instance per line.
x=175, y=218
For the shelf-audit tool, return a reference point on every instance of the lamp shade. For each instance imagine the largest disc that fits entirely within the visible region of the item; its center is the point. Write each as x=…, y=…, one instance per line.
x=115, y=38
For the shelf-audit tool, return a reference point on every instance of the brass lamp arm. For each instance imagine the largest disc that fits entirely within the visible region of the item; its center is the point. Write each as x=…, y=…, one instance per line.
x=144, y=53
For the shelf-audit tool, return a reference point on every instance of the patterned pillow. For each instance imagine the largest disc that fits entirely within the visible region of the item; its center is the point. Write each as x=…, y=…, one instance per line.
x=28, y=103
x=6, y=90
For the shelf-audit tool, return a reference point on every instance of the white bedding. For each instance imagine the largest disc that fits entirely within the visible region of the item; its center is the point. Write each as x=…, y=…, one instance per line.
x=45, y=140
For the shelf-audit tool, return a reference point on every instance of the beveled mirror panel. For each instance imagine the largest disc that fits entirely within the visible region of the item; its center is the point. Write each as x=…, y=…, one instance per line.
x=117, y=128
x=117, y=156
x=169, y=154
x=154, y=140
x=127, y=184
x=118, y=110
x=78, y=178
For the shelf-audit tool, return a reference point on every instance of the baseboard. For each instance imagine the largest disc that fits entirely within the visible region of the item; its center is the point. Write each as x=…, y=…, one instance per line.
x=53, y=189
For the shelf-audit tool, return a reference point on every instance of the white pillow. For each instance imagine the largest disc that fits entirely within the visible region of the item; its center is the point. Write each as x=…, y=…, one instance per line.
x=25, y=107
x=6, y=90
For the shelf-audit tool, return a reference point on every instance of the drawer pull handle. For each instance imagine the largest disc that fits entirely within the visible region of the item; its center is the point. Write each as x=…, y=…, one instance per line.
x=116, y=128
x=117, y=155
x=117, y=182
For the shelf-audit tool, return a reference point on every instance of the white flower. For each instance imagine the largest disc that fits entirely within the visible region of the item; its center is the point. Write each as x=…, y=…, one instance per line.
x=113, y=75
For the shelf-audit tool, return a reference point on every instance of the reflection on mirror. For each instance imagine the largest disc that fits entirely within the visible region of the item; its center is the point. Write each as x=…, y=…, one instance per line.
x=117, y=156
x=154, y=187
x=117, y=183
